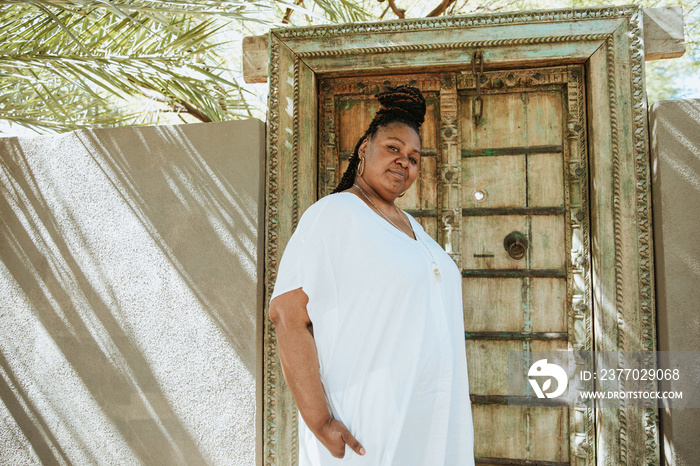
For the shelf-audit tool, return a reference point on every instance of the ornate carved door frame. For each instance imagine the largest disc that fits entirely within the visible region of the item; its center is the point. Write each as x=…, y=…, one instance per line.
x=608, y=42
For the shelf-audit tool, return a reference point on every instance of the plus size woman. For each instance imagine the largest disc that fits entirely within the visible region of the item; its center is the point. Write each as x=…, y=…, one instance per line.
x=368, y=314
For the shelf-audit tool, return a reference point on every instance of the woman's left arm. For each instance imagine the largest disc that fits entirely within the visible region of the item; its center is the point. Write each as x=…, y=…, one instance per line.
x=297, y=350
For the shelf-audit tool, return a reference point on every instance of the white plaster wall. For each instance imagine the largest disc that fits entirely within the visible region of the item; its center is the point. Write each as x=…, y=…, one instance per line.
x=675, y=156
x=129, y=296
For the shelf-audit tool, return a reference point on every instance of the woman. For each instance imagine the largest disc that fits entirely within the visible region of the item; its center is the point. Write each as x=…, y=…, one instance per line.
x=368, y=314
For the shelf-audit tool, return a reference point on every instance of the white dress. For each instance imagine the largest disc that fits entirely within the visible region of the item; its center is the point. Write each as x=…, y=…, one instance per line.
x=389, y=335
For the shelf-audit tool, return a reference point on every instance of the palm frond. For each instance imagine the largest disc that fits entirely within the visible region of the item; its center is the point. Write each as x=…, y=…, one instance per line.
x=342, y=11
x=58, y=54
x=67, y=64
x=160, y=10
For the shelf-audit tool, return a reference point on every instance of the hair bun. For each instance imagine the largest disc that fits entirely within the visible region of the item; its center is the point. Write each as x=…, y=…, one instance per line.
x=405, y=99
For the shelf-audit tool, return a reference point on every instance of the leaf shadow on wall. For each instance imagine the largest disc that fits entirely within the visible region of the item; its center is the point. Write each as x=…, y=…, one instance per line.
x=146, y=283
x=675, y=126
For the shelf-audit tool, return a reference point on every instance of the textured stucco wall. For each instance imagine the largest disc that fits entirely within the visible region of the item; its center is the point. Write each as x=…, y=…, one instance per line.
x=129, y=297
x=675, y=131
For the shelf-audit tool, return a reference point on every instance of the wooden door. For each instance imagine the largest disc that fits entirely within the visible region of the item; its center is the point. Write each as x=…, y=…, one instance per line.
x=519, y=168
x=607, y=272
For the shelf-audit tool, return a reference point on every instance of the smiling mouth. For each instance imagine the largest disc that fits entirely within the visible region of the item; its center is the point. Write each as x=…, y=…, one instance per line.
x=399, y=174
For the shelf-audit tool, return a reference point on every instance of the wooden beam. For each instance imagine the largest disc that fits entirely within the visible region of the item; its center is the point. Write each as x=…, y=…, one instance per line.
x=663, y=33
x=663, y=38
x=255, y=59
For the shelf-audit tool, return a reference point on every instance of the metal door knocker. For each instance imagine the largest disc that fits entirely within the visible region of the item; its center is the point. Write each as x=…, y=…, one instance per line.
x=516, y=245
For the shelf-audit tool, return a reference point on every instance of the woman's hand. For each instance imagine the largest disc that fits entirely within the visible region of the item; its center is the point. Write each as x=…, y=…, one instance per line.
x=334, y=436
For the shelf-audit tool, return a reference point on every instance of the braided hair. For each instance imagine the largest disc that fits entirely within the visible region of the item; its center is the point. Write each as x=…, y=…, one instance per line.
x=401, y=104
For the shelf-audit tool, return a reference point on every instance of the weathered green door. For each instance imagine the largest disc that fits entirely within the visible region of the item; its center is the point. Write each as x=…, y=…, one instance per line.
x=546, y=156
x=505, y=159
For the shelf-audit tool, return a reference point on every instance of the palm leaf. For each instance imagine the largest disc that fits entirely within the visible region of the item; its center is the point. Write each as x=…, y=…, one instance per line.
x=57, y=54
x=67, y=64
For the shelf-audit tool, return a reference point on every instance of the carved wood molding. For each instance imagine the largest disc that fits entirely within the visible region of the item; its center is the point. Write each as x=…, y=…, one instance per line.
x=663, y=34
x=464, y=21
x=455, y=45
x=270, y=372
x=582, y=426
x=644, y=226
x=635, y=329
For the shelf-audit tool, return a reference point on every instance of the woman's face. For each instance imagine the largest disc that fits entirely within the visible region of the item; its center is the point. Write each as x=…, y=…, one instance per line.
x=392, y=159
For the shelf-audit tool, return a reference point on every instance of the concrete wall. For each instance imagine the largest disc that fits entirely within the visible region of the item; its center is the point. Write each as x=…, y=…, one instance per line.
x=129, y=297
x=675, y=132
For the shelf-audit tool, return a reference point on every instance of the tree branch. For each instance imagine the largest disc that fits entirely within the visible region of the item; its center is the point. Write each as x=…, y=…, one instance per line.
x=191, y=110
x=160, y=97
x=381, y=17
x=440, y=9
x=397, y=11
x=288, y=13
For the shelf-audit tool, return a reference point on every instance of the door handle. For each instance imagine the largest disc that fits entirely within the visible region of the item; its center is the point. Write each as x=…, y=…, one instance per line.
x=516, y=245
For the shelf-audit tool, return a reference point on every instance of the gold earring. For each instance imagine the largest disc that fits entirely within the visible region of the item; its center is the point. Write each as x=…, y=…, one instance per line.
x=361, y=167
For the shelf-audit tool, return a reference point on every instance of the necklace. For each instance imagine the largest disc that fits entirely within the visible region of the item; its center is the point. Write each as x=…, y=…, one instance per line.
x=436, y=270
x=380, y=210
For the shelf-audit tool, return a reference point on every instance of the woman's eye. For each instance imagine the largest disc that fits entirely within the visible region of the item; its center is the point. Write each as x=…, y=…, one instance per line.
x=392, y=148
x=413, y=160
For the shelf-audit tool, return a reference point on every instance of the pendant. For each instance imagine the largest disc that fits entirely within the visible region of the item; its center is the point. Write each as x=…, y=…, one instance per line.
x=436, y=270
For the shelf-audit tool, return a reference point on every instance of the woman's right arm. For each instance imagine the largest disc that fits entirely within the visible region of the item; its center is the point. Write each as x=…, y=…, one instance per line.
x=297, y=351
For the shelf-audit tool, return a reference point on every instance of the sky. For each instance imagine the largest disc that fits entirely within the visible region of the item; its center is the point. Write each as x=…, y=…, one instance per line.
x=691, y=87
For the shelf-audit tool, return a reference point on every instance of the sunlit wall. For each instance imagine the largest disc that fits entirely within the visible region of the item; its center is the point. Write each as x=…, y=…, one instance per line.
x=129, y=296
x=675, y=138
